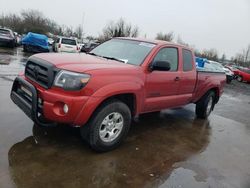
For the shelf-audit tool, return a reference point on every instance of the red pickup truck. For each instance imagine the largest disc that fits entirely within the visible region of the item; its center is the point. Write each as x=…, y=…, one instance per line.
x=101, y=91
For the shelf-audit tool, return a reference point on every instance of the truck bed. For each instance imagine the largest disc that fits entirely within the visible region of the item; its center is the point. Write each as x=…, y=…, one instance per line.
x=207, y=80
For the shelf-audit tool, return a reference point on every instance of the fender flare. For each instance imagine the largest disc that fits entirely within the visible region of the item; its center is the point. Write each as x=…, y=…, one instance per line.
x=106, y=92
x=211, y=87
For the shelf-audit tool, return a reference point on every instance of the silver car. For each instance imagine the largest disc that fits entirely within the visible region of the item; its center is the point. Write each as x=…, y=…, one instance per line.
x=7, y=37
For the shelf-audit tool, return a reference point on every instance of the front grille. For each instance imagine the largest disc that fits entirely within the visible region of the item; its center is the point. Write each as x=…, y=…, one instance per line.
x=40, y=72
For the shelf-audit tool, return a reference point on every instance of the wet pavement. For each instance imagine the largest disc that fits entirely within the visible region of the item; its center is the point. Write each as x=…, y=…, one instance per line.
x=170, y=149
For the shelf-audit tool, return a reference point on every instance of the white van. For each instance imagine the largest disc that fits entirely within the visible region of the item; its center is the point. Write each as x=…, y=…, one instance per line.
x=64, y=44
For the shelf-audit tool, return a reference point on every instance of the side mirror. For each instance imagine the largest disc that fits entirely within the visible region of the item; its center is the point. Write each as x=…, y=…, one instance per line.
x=160, y=66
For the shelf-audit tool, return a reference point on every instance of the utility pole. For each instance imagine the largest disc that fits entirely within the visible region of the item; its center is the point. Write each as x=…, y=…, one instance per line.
x=83, y=16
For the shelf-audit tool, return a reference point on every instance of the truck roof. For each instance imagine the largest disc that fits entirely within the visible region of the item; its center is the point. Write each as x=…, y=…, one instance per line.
x=157, y=42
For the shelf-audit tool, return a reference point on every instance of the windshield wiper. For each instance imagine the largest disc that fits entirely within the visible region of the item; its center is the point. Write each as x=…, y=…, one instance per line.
x=113, y=58
x=91, y=53
x=106, y=57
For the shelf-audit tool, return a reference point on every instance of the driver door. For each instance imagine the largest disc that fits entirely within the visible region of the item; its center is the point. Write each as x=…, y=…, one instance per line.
x=162, y=86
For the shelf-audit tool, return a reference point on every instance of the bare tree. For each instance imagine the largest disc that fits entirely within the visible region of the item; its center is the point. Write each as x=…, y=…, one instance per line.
x=243, y=58
x=12, y=21
x=79, y=32
x=180, y=41
x=69, y=31
x=223, y=58
x=89, y=37
x=211, y=54
x=197, y=53
x=165, y=36
x=239, y=59
x=34, y=21
x=247, y=54
x=118, y=29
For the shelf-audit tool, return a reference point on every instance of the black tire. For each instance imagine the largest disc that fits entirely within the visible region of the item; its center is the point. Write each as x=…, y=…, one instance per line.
x=229, y=79
x=239, y=78
x=12, y=44
x=202, y=105
x=25, y=48
x=91, y=131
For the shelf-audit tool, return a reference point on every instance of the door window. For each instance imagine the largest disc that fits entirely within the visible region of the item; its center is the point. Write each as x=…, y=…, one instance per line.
x=170, y=55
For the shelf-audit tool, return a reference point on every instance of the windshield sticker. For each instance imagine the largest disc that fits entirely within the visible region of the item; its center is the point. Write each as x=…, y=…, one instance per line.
x=147, y=44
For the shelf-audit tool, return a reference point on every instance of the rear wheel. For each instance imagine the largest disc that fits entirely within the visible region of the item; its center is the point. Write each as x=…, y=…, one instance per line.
x=108, y=127
x=205, y=105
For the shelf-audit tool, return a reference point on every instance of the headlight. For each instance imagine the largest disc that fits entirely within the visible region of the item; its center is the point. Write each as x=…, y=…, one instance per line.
x=71, y=80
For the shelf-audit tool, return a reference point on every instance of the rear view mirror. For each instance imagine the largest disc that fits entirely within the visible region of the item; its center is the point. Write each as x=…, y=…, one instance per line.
x=160, y=66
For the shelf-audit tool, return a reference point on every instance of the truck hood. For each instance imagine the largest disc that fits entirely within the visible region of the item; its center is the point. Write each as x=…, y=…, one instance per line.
x=81, y=62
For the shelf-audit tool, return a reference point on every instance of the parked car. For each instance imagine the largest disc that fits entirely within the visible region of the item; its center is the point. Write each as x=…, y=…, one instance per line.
x=35, y=43
x=7, y=37
x=89, y=46
x=18, y=39
x=234, y=69
x=102, y=90
x=50, y=41
x=80, y=45
x=228, y=72
x=64, y=44
x=243, y=75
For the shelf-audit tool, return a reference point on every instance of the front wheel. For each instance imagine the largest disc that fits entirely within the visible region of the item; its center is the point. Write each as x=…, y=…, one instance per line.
x=205, y=105
x=108, y=127
x=229, y=79
x=25, y=49
x=12, y=44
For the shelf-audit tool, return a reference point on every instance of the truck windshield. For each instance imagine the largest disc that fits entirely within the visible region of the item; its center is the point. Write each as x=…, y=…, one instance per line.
x=128, y=51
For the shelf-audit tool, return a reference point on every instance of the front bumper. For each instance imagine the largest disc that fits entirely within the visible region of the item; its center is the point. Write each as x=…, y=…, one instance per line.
x=29, y=104
x=6, y=41
x=40, y=104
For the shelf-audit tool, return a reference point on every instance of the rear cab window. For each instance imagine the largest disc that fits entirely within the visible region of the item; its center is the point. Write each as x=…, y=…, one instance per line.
x=187, y=60
x=68, y=41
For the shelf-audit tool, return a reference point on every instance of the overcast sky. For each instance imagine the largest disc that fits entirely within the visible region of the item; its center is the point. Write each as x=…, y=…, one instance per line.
x=220, y=24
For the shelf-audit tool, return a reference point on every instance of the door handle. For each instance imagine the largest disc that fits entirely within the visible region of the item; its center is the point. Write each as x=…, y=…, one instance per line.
x=177, y=78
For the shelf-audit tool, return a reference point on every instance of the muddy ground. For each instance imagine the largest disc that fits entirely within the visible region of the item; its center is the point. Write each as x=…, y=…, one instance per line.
x=170, y=149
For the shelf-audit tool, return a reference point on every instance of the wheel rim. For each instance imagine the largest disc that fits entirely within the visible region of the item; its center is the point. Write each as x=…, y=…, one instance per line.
x=111, y=127
x=209, y=105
